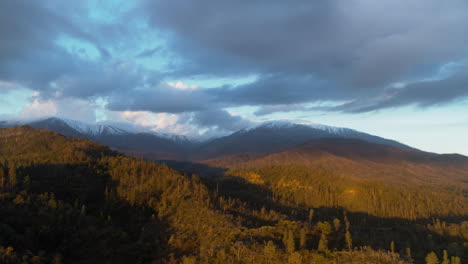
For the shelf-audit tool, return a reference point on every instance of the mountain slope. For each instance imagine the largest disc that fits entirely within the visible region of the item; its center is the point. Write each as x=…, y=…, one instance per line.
x=67, y=200
x=149, y=145
x=275, y=136
x=375, y=179
x=264, y=138
x=364, y=160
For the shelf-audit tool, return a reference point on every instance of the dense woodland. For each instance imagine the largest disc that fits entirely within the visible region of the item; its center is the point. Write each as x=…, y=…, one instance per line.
x=66, y=200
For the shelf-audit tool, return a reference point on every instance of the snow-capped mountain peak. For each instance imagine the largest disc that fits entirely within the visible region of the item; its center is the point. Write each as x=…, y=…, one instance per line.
x=181, y=139
x=288, y=124
x=278, y=124
x=94, y=129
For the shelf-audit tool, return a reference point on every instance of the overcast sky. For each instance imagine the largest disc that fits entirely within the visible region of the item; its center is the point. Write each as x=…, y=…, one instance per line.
x=396, y=69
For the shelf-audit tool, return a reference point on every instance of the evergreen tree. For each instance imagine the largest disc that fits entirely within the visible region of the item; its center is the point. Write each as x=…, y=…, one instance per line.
x=323, y=243
x=432, y=258
x=455, y=260
x=12, y=177
x=285, y=238
x=336, y=224
x=269, y=251
x=303, y=238
x=295, y=258
x=409, y=257
x=445, y=258
x=291, y=246
x=349, y=241
x=311, y=215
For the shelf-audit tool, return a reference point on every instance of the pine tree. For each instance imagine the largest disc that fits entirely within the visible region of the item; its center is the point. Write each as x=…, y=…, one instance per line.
x=295, y=258
x=303, y=238
x=336, y=224
x=269, y=251
x=409, y=256
x=349, y=241
x=285, y=239
x=291, y=246
x=455, y=260
x=311, y=215
x=431, y=258
x=12, y=177
x=323, y=243
x=445, y=259
x=346, y=220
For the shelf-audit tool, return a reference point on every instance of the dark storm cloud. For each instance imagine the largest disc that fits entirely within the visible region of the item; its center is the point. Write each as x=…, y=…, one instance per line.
x=422, y=94
x=306, y=52
x=27, y=50
x=354, y=49
x=269, y=109
x=31, y=56
x=275, y=89
x=220, y=119
x=162, y=98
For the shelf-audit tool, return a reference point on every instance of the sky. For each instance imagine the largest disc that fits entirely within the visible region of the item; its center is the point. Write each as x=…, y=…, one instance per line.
x=396, y=69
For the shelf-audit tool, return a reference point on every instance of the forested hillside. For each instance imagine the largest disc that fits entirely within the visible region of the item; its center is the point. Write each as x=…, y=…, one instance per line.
x=68, y=200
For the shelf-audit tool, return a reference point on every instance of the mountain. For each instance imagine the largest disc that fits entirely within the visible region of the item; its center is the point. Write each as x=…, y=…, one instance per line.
x=278, y=135
x=263, y=138
x=147, y=144
x=71, y=200
x=363, y=160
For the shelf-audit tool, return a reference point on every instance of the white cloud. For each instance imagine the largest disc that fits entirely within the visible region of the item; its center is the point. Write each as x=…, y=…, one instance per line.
x=160, y=122
x=72, y=108
x=182, y=86
x=39, y=108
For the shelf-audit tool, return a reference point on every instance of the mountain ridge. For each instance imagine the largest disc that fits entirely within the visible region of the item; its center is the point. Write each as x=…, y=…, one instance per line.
x=267, y=137
x=360, y=160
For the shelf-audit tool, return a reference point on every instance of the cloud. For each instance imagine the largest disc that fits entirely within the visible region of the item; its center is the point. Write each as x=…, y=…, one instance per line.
x=45, y=51
x=8, y=86
x=316, y=50
x=220, y=119
x=161, y=122
x=69, y=108
x=162, y=98
x=203, y=124
x=29, y=53
x=423, y=93
x=182, y=86
x=98, y=80
x=149, y=52
x=353, y=51
x=38, y=109
x=269, y=109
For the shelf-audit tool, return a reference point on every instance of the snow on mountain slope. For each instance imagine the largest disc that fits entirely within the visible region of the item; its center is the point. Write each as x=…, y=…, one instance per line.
x=286, y=124
x=180, y=139
x=261, y=138
x=277, y=135
x=94, y=129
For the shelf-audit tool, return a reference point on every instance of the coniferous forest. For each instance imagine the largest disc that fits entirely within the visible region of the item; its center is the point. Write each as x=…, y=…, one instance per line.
x=65, y=200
